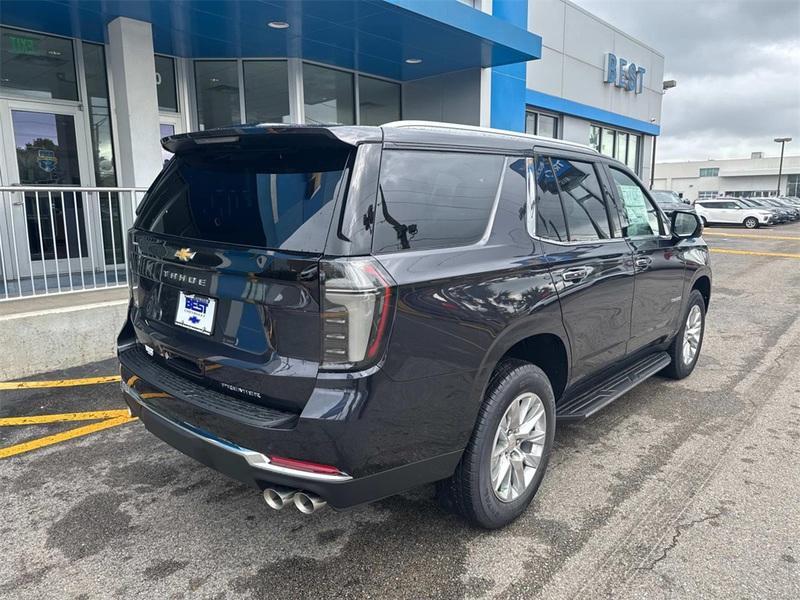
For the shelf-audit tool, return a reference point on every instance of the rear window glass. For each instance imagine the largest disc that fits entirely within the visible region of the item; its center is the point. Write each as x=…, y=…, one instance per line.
x=434, y=199
x=277, y=200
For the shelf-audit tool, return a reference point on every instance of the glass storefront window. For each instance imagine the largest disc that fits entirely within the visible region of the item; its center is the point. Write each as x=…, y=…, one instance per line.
x=633, y=152
x=328, y=95
x=165, y=83
x=266, y=91
x=607, y=142
x=621, y=151
x=547, y=126
x=94, y=63
x=37, y=66
x=378, y=101
x=594, y=137
x=217, y=84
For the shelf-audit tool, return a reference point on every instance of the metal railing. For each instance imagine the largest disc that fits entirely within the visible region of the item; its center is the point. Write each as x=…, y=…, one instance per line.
x=58, y=240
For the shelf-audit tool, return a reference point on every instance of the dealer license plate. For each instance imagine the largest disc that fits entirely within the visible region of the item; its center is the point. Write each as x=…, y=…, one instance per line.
x=196, y=313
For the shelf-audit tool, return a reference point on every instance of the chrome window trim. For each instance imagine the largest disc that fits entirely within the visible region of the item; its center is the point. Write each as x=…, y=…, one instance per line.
x=257, y=460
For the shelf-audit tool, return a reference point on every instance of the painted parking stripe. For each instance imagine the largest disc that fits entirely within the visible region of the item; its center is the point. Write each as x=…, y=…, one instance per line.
x=56, y=383
x=753, y=236
x=63, y=417
x=752, y=253
x=63, y=436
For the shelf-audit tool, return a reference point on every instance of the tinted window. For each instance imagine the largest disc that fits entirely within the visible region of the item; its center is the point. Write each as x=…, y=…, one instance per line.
x=266, y=91
x=217, y=84
x=549, y=214
x=582, y=199
x=257, y=198
x=165, y=83
x=434, y=199
x=511, y=210
x=640, y=216
x=36, y=65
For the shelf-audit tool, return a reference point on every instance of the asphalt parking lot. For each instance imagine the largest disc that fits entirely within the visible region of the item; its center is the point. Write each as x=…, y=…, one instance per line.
x=678, y=490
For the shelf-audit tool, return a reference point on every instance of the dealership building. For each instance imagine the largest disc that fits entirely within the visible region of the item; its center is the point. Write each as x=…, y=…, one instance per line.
x=756, y=176
x=88, y=88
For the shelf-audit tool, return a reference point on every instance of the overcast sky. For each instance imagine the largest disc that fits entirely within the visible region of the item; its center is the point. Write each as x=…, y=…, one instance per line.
x=737, y=64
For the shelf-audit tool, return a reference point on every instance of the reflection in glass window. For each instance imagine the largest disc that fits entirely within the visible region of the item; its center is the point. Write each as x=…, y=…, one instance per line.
x=634, y=144
x=549, y=212
x=594, y=137
x=621, y=150
x=166, y=87
x=640, y=215
x=266, y=91
x=94, y=63
x=217, y=83
x=36, y=65
x=582, y=200
x=542, y=124
x=547, y=126
x=607, y=142
x=793, y=185
x=434, y=199
x=258, y=198
x=328, y=95
x=378, y=101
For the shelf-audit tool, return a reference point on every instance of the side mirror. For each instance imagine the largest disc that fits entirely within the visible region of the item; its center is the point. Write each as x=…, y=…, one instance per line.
x=685, y=225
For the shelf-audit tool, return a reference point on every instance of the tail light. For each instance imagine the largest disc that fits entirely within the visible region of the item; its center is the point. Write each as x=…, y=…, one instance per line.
x=357, y=306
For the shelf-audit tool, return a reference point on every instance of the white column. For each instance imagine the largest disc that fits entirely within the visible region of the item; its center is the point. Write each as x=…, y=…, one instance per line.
x=133, y=71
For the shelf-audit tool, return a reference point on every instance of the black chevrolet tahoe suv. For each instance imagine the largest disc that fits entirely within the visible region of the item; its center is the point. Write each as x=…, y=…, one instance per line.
x=335, y=314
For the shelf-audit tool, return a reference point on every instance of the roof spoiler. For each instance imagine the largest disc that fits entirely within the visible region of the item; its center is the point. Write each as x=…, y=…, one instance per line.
x=276, y=135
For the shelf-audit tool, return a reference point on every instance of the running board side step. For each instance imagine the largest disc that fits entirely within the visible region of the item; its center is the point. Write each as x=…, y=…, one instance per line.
x=589, y=402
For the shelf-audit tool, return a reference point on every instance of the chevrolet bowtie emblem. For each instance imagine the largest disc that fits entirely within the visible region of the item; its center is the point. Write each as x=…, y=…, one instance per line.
x=185, y=254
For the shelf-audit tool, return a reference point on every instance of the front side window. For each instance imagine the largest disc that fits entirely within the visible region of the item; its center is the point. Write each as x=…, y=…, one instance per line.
x=640, y=216
x=549, y=212
x=434, y=199
x=37, y=66
x=262, y=199
x=217, y=83
x=582, y=199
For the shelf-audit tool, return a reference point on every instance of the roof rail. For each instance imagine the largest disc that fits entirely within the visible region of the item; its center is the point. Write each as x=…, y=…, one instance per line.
x=484, y=130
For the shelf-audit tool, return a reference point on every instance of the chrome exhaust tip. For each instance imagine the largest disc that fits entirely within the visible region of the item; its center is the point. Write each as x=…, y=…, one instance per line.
x=278, y=497
x=308, y=503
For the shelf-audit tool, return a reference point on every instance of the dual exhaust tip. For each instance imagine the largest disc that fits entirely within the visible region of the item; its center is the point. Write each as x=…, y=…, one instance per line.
x=306, y=503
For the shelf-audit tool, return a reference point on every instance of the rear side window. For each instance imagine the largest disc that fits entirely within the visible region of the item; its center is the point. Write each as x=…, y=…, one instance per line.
x=276, y=200
x=434, y=199
x=582, y=199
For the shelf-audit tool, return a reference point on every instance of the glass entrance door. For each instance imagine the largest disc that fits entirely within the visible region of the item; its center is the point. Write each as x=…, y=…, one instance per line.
x=45, y=148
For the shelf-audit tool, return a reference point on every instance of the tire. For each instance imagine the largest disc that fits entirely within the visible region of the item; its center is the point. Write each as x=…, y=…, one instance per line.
x=751, y=223
x=680, y=367
x=470, y=491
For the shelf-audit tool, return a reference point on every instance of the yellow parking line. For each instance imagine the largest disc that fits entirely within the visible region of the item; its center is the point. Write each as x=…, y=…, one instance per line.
x=754, y=236
x=63, y=417
x=21, y=385
x=751, y=253
x=63, y=436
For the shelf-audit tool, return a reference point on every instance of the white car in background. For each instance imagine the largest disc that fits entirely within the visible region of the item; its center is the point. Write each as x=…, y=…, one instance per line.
x=732, y=211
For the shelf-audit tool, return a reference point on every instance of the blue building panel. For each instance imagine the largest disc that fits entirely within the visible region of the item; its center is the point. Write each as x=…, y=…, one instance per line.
x=590, y=113
x=373, y=36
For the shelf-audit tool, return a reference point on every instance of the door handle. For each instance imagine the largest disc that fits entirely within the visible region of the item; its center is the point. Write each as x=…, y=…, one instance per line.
x=575, y=273
x=642, y=261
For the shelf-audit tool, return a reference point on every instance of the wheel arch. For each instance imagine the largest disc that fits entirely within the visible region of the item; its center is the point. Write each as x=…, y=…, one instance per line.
x=703, y=285
x=545, y=346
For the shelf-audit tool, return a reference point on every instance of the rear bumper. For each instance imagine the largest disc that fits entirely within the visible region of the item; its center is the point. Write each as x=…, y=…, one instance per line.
x=240, y=448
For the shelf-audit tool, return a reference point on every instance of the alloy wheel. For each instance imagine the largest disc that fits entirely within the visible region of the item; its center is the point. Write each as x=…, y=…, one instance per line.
x=692, y=333
x=518, y=446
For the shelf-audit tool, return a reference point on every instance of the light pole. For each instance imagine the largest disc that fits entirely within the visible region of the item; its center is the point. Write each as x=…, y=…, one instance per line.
x=666, y=85
x=782, y=142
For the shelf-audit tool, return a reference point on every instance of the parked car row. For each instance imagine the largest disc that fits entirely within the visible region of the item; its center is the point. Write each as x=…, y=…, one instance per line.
x=749, y=212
